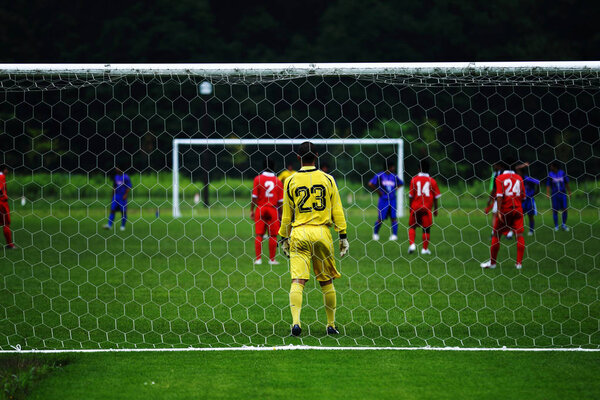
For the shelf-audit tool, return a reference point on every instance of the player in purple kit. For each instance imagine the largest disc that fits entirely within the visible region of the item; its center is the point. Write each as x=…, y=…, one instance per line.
x=386, y=183
x=121, y=188
x=557, y=188
x=532, y=187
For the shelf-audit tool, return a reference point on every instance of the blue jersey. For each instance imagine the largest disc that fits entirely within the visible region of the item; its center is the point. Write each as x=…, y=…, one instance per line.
x=121, y=184
x=557, y=182
x=530, y=186
x=387, y=183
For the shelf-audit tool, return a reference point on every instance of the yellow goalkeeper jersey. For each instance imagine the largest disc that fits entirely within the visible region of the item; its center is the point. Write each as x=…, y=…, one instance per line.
x=311, y=197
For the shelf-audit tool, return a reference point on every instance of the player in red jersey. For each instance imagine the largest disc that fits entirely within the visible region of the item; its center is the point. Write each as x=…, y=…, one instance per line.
x=267, y=196
x=4, y=210
x=424, y=194
x=510, y=192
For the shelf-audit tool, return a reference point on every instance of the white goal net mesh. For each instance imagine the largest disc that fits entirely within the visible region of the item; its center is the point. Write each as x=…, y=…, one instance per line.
x=190, y=281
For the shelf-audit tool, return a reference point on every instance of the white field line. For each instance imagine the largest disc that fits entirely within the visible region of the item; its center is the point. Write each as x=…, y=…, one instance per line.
x=17, y=349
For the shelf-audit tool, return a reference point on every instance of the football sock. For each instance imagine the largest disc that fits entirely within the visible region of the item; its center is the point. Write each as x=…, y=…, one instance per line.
x=411, y=235
x=272, y=247
x=330, y=300
x=377, y=226
x=111, y=218
x=531, y=224
x=258, y=246
x=395, y=227
x=494, y=248
x=7, y=235
x=124, y=219
x=555, y=216
x=520, y=249
x=426, y=237
x=296, y=302
x=564, y=217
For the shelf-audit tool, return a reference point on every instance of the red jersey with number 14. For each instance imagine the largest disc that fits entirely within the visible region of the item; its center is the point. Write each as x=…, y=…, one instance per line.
x=423, y=189
x=267, y=190
x=510, y=191
x=3, y=194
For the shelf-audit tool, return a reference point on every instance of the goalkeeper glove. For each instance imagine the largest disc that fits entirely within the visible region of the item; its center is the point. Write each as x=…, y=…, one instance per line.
x=344, y=245
x=285, y=246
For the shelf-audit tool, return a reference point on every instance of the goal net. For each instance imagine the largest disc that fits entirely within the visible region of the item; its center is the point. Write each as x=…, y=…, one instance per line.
x=188, y=141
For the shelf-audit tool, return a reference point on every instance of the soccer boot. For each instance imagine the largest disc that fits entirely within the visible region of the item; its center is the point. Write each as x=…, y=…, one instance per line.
x=273, y=262
x=107, y=226
x=375, y=237
x=393, y=238
x=412, y=248
x=565, y=228
x=510, y=235
x=258, y=261
x=296, y=330
x=518, y=266
x=488, y=265
x=122, y=228
x=10, y=247
x=556, y=229
x=530, y=233
x=332, y=330
x=425, y=251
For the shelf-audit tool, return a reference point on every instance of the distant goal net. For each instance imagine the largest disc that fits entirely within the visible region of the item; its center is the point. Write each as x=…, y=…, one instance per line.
x=172, y=151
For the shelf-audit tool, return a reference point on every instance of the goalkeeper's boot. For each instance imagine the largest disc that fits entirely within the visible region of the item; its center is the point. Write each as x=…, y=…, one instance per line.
x=375, y=237
x=412, y=248
x=425, y=251
x=296, y=330
x=332, y=330
x=122, y=228
x=565, y=228
x=488, y=265
x=393, y=238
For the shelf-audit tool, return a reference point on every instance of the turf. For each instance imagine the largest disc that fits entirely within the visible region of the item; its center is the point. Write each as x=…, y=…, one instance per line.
x=191, y=282
x=324, y=374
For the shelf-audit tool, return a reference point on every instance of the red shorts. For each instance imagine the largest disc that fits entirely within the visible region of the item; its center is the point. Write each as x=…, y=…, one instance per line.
x=267, y=217
x=421, y=217
x=4, y=213
x=511, y=221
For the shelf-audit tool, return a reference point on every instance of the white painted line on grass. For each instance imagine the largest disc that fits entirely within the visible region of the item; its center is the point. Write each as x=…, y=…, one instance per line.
x=17, y=349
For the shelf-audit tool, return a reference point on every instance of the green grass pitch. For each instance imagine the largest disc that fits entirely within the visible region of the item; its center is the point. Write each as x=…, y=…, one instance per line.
x=191, y=282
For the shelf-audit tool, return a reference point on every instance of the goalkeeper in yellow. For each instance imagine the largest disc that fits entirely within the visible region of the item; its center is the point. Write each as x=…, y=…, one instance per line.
x=311, y=205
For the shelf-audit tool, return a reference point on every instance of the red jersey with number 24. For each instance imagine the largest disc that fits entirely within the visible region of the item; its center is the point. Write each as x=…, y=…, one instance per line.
x=267, y=190
x=423, y=189
x=510, y=191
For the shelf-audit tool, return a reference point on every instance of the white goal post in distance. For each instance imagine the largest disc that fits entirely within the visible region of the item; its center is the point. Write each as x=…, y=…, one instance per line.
x=399, y=143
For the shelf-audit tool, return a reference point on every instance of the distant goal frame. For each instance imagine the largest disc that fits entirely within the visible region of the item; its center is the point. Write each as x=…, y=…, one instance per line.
x=398, y=142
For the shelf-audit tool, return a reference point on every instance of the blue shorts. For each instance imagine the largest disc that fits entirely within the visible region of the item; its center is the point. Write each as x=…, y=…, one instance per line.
x=386, y=208
x=529, y=207
x=118, y=206
x=559, y=201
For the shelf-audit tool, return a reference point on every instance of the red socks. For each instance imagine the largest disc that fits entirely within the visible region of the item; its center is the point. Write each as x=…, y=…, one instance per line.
x=258, y=246
x=8, y=235
x=494, y=249
x=272, y=247
x=411, y=235
x=426, y=237
x=520, y=249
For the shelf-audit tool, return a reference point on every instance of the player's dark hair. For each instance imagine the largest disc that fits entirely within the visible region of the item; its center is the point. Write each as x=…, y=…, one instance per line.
x=504, y=165
x=390, y=162
x=307, y=152
x=269, y=164
x=424, y=165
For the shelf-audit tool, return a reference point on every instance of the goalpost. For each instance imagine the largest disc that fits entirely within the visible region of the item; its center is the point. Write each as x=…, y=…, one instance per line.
x=398, y=143
x=178, y=283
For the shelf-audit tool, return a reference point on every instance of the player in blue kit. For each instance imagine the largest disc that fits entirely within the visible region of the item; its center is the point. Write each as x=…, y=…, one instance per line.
x=386, y=183
x=532, y=187
x=121, y=188
x=557, y=188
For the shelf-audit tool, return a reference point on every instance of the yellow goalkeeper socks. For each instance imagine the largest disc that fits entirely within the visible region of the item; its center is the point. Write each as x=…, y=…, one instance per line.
x=330, y=300
x=296, y=301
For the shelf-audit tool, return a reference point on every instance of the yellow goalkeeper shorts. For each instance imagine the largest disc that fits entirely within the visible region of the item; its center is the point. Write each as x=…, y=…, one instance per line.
x=312, y=243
